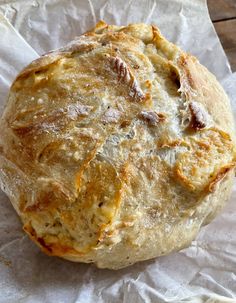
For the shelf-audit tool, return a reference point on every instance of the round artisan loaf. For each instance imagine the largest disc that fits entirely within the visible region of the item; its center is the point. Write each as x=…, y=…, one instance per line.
x=116, y=148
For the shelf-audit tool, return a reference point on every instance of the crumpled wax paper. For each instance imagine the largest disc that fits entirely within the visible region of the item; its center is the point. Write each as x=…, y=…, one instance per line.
x=204, y=272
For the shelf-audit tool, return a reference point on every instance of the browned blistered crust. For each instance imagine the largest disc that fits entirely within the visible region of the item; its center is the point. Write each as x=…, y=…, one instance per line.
x=125, y=75
x=199, y=117
x=52, y=249
x=152, y=118
x=219, y=176
x=116, y=148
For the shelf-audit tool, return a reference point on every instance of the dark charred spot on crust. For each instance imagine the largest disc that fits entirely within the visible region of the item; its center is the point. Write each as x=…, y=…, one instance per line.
x=44, y=245
x=32, y=233
x=177, y=82
x=51, y=249
x=196, y=124
x=198, y=116
x=175, y=78
x=136, y=66
x=41, y=71
x=125, y=123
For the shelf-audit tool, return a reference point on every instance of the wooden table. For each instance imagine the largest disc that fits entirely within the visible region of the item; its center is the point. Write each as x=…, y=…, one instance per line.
x=223, y=15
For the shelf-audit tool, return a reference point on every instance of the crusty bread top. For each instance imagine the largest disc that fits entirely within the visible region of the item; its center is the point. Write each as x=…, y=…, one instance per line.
x=117, y=130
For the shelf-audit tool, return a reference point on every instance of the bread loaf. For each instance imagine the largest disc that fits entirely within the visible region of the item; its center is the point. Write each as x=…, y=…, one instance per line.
x=116, y=148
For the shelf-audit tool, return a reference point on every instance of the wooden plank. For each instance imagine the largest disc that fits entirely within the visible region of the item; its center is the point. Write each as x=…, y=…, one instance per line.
x=222, y=9
x=226, y=31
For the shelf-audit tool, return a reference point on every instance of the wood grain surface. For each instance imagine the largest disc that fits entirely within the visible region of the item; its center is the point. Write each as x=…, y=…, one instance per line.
x=222, y=9
x=223, y=15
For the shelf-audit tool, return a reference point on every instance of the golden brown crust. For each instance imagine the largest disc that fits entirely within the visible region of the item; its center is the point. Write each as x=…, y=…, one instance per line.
x=116, y=148
x=222, y=173
x=198, y=84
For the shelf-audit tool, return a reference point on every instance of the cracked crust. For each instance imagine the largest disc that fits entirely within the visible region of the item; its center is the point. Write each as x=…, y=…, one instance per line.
x=116, y=148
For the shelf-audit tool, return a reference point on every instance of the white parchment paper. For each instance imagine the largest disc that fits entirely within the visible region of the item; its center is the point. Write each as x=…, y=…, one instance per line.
x=204, y=272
